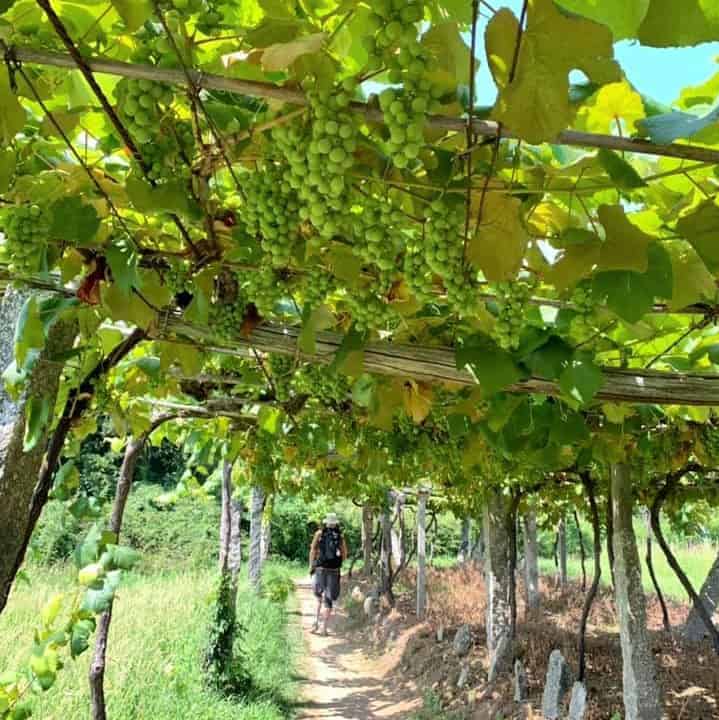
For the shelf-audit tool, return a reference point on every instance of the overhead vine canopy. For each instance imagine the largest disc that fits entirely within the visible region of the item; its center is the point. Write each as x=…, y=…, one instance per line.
x=247, y=176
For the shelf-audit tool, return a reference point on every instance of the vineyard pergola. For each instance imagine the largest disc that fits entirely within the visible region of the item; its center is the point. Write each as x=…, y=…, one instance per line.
x=294, y=221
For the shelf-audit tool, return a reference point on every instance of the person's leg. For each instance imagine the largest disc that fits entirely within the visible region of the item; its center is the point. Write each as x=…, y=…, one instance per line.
x=332, y=593
x=319, y=590
x=328, y=614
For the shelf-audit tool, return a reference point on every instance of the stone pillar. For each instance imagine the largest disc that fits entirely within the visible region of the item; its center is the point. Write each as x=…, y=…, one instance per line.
x=562, y=551
x=266, y=539
x=230, y=526
x=18, y=469
x=497, y=563
x=385, y=551
x=422, y=553
x=531, y=562
x=257, y=506
x=367, y=532
x=694, y=629
x=642, y=697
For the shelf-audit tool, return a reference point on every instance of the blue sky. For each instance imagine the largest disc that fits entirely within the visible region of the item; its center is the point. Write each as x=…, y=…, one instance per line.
x=658, y=72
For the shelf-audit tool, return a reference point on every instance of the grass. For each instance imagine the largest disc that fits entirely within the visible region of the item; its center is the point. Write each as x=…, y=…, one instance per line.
x=158, y=633
x=695, y=560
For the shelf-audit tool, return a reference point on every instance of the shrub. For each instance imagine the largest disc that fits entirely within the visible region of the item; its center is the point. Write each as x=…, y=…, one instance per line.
x=277, y=584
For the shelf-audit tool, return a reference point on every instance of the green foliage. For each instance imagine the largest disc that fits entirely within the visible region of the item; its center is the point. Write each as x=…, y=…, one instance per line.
x=277, y=584
x=432, y=709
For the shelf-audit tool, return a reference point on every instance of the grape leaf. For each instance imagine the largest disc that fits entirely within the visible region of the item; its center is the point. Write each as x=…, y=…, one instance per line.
x=499, y=245
x=281, y=55
x=701, y=228
x=134, y=13
x=535, y=105
x=494, y=368
x=37, y=414
x=583, y=379
x=691, y=281
x=669, y=23
x=29, y=331
x=74, y=221
x=623, y=17
x=622, y=174
x=12, y=115
x=575, y=263
x=665, y=129
x=549, y=360
x=625, y=246
x=450, y=64
x=629, y=294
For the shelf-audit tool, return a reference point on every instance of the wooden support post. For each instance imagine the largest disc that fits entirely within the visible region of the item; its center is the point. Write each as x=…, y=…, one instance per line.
x=422, y=496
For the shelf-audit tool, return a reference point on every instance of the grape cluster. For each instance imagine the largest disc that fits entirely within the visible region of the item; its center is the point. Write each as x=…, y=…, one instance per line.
x=265, y=288
x=327, y=387
x=512, y=301
x=396, y=46
x=226, y=318
x=272, y=211
x=140, y=104
x=164, y=155
x=378, y=237
x=444, y=255
x=583, y=303
x=369, y=311
x=319, y=285
x=417, y=273
x=26, y=229
x=178, y=277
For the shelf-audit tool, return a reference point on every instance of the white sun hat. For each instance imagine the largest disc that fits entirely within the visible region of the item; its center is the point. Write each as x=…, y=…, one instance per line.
x=331, y=520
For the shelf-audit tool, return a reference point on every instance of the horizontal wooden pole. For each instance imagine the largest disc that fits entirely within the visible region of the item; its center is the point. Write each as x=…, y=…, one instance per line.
x=437, y=365
x=269, y=91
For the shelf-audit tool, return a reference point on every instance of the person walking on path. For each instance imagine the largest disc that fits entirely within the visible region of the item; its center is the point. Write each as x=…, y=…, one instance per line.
x=327, y=552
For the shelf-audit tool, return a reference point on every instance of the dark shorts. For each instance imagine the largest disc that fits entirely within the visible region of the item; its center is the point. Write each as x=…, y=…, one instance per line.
x=327, y=585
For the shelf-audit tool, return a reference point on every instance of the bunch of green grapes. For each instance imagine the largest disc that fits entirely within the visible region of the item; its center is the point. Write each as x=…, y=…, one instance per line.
x=513, y=298
x=26, y=229
x=330, y=155
x=271, y=210
x=178, y=277
x=370, y=311
x=226, y=318
x=378, y=237
x=396, y=46
x=585, y=307
x=418, y=274
x=317, y=381
x=265, y=288
x=164, y=155
x=142, y=104
x=709, y=438
x=319, y=284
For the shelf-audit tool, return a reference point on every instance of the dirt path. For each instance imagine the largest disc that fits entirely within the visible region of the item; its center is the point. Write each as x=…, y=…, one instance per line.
x=343, y=683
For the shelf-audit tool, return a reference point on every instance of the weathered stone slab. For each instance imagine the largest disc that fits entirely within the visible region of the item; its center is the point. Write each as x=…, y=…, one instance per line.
x=558, y=682
x=578, y=703
x=462, y=641
x=520, y=682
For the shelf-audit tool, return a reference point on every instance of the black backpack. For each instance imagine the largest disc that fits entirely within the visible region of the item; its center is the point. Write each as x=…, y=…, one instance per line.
x=330, y=548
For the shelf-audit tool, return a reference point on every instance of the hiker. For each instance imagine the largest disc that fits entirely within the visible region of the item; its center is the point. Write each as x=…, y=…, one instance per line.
x=327, y=552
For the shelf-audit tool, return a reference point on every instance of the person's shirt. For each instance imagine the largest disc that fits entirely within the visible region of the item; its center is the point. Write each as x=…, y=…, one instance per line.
x=315, y=547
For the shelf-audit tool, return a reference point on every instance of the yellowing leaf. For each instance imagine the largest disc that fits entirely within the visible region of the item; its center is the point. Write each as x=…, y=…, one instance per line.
x=12, y=115
x=575, y=263
x=623, y=17
x=670, y=23
x=450, y=64
x=613, y=102
x=692, y=282
x=498, y=247
x=417, y=399
x=281, y=55
x=535, y=105
x=626, y=246
x=700, y=227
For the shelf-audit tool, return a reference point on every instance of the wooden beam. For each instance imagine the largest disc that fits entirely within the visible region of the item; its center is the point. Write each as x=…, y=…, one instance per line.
x=437, y=365
x=269, y=91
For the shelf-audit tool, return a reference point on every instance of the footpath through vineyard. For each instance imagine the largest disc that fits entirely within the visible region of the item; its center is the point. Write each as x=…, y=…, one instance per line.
x=343, y=681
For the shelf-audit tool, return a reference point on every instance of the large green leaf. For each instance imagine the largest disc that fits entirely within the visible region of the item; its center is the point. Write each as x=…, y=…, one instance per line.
x=281, y=55
x=29, y=330
x=625, y=246
x=629, y=294
x=623, y=17
x=133, y=12
x=498, y=247
x=494, y=368
x=669, y=23
x=74, y=221
x=622, y=174
x=535, y=105
x=582, y=379
x=451, y=55
x=37, y=415
x=12, y=115
x=701, y=228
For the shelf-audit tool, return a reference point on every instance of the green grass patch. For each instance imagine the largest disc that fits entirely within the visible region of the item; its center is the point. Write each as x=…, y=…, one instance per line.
x=695, y=560
x=158, y=633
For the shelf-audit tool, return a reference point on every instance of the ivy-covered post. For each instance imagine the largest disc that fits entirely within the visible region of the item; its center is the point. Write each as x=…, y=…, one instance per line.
x=695, y=628
x=531, y=562
x=642, y=696
x=367, y=532
x=497, y=565
x=385, y=556
x=21, y=455
x=230, y=523
x=422, y=496
x=257, y=507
